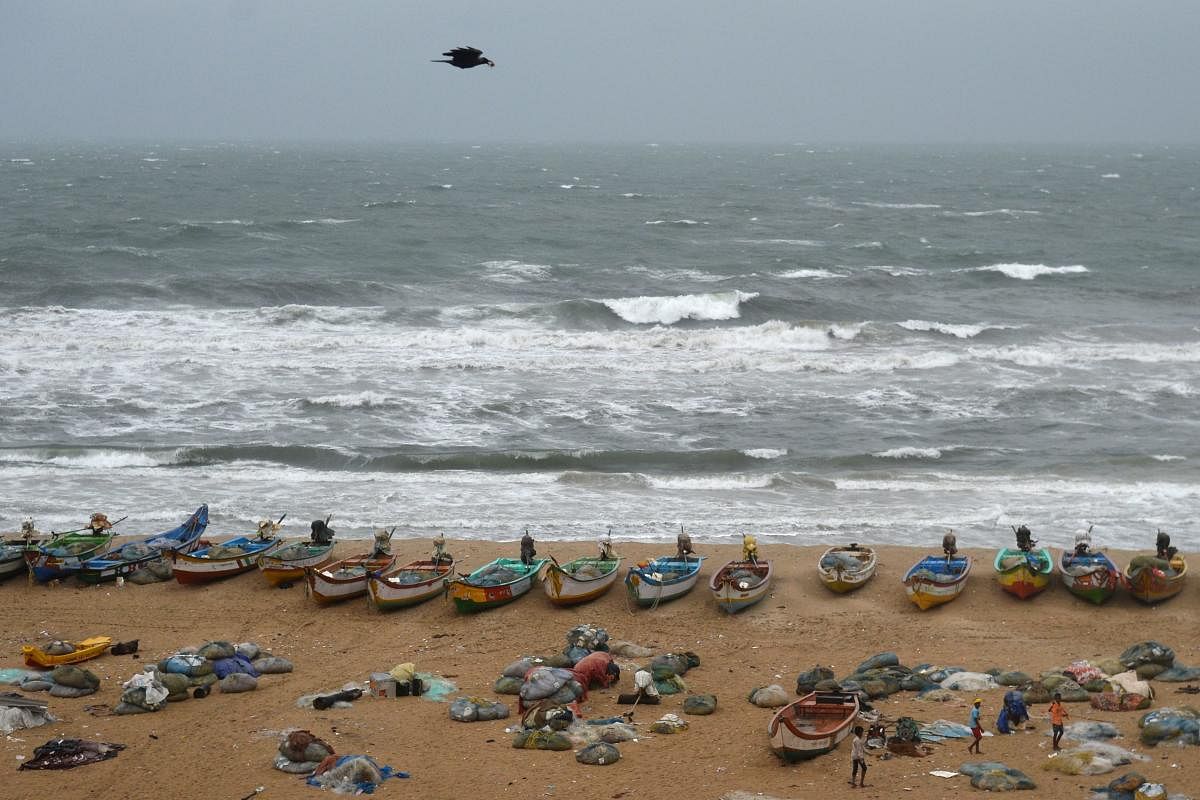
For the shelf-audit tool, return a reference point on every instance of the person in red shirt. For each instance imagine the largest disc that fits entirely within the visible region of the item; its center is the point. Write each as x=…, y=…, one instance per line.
x=1057, y=714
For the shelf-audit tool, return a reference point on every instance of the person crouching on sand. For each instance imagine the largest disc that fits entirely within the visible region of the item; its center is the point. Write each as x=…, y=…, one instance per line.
x=858, y=757
x=976, y=728
x=1057, y=714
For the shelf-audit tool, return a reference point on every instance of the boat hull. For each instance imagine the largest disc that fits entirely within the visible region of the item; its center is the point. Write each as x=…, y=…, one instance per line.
x=276, y=570
x=564, y=589
x=929, y=589
x=1150, y=585
x=196, y=568
x=811, y=726
x=1096, y=583
x=841, y=580
x=733, y=595
x=48, y=563
x=648, y=591
x=470, y=598
x=325, y=586
x=1024, y=578
x=388, y=594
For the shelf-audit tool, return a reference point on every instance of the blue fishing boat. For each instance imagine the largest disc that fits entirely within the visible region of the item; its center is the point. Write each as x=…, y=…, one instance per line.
x=935, y=580
x=133, y=555
x=662, y=579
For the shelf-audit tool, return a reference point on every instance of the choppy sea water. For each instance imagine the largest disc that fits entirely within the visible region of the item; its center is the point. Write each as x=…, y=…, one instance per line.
x=808, y=343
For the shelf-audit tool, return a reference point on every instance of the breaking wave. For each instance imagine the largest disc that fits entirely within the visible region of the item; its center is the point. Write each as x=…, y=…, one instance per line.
x=669, y=310
x=1027, y=272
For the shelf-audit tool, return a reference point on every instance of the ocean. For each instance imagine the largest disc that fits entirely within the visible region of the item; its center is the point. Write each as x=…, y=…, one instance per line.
x=813, y=344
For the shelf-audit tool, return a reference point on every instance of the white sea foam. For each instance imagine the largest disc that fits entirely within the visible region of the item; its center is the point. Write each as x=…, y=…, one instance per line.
x=1027, y=272
x=1110, y=175
x=795, y=242
x=153, y=160
x=765, y=453
x=511, y=271
x=632, y=194
x=868, y=246
x=364, y=399
x=1169, y=458
x=20, y=161
x=896, y=272
x=810, y=273
x=910, y=452
x=93, y=459
x=846, y=331
x=711, y=483
x=898, y=206
x=685, y=222
x=322, y=221
x=669, y=310
x=960, y=331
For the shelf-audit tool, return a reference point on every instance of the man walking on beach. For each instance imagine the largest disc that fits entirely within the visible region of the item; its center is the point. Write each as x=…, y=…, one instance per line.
x=858, y=757
x=1057, y=714
x=976, y=728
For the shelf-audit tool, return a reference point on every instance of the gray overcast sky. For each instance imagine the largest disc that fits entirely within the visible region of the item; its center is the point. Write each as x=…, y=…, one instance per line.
x=612, y=70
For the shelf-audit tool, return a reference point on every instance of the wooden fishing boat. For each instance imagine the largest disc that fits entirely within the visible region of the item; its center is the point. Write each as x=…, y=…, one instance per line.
x=415, y=582
x=222, y=560
x=662, y=579
x=1024, y=573
x=740, y=584
x=813, y=725
x=494, y=584
x=63, y=555
x=1152, y=579
x=844, y=569
x=580, y=579
x=89, y=648
x=1092, y=576
x=935, y=580
x=13, y=548
x=288, y=563
x=346, y=578
x=133, y=555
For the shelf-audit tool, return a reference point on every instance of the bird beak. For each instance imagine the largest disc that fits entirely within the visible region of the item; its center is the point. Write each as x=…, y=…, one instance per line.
x=491, y=63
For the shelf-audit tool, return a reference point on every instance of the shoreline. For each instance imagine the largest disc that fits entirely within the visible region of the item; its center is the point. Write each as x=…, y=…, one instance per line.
x=222, y=746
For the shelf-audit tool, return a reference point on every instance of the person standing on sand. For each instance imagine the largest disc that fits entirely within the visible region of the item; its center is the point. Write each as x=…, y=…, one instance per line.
x=976, y=728
x=527, y=551
x=1057, y=714
x=858, y=758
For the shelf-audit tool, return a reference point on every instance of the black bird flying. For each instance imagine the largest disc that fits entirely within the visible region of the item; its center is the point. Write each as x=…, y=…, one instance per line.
x=465, y=58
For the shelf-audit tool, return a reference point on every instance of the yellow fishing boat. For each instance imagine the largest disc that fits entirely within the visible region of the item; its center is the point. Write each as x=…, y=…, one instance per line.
x=89, y=648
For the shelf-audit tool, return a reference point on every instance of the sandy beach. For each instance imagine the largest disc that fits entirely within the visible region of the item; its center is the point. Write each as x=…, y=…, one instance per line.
x=223, y=746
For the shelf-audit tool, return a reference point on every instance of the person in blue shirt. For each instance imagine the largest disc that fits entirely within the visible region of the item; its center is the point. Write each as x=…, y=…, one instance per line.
x=976, y=727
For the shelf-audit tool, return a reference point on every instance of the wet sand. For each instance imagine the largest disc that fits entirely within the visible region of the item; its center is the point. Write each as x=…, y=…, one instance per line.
x=222, y=746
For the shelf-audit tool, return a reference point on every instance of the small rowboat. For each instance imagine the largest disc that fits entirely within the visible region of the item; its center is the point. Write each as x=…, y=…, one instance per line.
x=1024, y=573
x=662, y=579
x=935, y=580
x=65, y=554
x=813, y=725
x=844, y=569
x=132, y=556
x=415, y=582
x=347, y=578
x=231, y=557
x=89, y=648
x=579, y=580
x=740, y=584
x=1092, y=576
x=494, y=584
x=288, y=564
x=1152, y=579
x=12, y=557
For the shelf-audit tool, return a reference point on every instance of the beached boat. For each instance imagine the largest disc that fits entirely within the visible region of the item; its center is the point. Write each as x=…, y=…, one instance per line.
x=13, y=548
x=935, y=580
x=1023, y=573
x=133, y=555
x=346, y=578
x=222, y=560
x=63, y=555
x=415, y=582
x=89, y=648
x=844, y=569
x=662, y=579
x=813, y=725
x=580, y=579
x=288, y=563
x=494, y=584
x=1092, y=576
x=740, y=584
x=1151, y=579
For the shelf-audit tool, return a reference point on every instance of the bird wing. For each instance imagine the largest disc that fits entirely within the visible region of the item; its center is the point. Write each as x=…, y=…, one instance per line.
x=463, y=51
